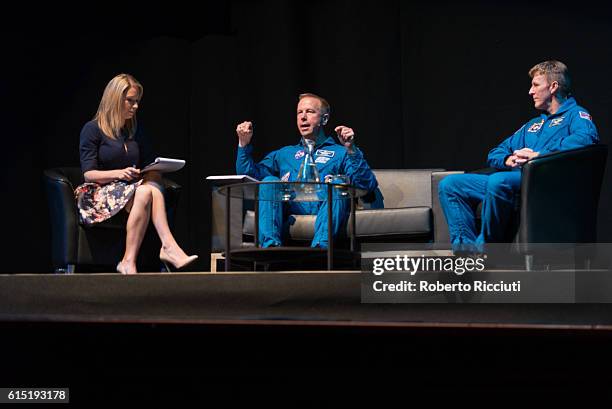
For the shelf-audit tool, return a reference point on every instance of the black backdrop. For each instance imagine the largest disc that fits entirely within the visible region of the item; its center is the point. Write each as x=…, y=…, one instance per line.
x=429, y=85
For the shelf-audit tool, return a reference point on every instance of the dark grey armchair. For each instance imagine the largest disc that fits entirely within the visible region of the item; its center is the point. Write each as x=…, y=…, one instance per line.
x=409, y=198
x=558, y=201
x=76, y=247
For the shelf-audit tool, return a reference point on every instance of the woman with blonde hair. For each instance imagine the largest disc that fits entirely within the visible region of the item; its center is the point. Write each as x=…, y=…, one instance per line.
x=111, y=158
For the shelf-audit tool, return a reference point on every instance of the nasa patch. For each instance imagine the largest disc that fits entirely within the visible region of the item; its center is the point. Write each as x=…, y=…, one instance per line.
x=536, y=126
x=299, y=154
x=585, y=115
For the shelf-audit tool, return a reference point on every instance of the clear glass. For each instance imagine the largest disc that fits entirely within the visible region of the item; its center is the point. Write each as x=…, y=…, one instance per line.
x=341, y=181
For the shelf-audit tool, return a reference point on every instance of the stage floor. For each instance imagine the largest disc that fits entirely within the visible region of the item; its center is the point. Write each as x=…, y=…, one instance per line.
x=113, y=338
x=287, y=298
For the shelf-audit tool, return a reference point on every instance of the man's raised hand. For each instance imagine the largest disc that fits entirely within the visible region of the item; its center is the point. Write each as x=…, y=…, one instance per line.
x=346, y=136
x=244, y=131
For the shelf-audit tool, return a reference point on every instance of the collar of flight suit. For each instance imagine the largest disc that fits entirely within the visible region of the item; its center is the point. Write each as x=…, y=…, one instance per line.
x=565, y=106
x=320, y=141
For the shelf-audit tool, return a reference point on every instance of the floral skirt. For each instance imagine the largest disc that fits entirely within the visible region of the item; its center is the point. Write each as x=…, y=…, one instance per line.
x=97, y=203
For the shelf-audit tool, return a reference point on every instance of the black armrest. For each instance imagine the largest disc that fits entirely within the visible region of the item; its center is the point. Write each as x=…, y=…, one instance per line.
x=560, y=195
x=63, y=215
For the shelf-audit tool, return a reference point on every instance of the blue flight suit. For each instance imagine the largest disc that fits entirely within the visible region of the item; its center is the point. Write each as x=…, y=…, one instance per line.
x=570, y=127
x=330, y=158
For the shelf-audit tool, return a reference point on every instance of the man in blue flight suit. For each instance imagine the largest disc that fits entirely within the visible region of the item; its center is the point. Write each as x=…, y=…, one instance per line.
x=563, y=125
x=330, y=158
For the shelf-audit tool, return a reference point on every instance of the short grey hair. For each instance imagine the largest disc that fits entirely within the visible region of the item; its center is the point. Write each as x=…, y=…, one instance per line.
x=324, y=104
x=554, y=71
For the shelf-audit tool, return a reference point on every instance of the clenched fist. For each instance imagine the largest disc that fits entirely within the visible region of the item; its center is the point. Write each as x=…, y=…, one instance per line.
x=244, y=131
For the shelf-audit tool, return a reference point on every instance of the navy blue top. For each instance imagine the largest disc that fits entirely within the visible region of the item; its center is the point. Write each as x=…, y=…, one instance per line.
x=99, y=152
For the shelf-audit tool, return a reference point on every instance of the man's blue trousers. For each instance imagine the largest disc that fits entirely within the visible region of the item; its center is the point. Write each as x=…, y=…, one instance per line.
x=274, y=220
x=460, y=194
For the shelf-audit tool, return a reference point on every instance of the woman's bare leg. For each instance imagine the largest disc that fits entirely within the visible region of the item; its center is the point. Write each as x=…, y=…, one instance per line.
x=137, y=223
x=160, y=220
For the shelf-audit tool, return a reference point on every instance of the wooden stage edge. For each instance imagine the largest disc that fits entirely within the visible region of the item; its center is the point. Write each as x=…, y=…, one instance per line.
x=296, y=299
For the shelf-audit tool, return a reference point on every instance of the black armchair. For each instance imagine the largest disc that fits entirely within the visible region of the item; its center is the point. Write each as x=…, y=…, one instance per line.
x=76, y=246
x=559, y=198
x=558, y=201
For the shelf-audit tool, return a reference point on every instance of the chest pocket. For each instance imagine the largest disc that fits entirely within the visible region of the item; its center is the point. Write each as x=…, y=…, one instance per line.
x=327, y=160
x=322, y=159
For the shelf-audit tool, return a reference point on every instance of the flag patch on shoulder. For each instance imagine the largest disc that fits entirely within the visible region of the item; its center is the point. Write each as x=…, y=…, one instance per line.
x=585, y=115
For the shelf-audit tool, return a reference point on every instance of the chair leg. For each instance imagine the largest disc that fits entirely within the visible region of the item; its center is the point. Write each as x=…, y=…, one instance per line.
x=213, y=261
x=529, y=262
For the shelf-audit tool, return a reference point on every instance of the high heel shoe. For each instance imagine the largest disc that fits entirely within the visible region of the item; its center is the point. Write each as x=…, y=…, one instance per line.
x=121, y=268
x=178, y=265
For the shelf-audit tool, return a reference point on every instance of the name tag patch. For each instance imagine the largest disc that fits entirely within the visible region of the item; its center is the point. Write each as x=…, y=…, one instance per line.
x=299, y=154
x=322, y=159
x=325, y=152
x=536, y=126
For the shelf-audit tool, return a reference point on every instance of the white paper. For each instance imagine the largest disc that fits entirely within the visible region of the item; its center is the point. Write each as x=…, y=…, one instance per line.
x=164, y=165
x=232, y=178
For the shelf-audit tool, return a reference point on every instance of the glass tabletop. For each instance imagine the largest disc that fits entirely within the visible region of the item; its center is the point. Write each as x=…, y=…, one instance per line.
x=279, y=191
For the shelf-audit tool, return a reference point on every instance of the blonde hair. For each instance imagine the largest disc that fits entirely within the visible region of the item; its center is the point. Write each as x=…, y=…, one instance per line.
x=110, y=111
x=554, y=71
x=324, y=104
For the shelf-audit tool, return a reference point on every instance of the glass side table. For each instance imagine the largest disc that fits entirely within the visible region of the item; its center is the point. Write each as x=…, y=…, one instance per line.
x=279, y=191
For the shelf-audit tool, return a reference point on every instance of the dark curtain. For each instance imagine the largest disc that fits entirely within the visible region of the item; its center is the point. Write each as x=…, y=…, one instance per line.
x=428, y=85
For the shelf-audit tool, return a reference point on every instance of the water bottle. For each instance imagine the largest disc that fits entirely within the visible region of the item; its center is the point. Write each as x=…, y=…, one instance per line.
x=308, y=169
